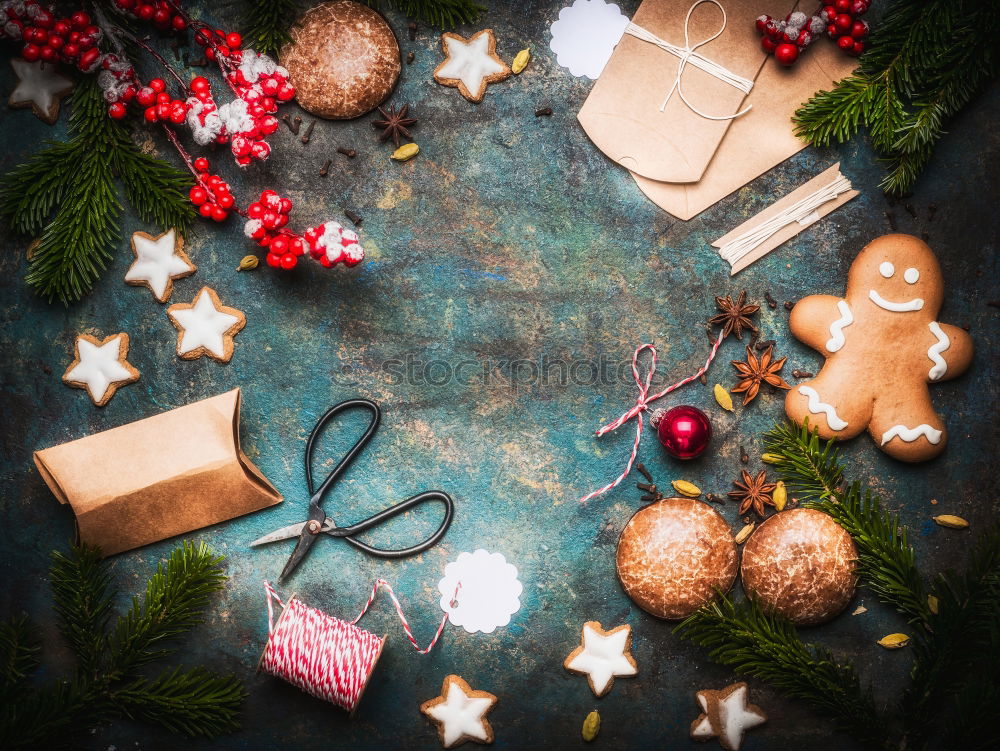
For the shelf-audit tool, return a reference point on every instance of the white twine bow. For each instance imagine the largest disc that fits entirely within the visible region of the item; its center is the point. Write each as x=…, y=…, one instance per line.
x=687, y=54
x=803, y=212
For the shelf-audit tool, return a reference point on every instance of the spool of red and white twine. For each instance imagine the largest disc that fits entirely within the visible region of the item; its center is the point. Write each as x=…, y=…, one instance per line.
x=642, y=404
x=324, y=656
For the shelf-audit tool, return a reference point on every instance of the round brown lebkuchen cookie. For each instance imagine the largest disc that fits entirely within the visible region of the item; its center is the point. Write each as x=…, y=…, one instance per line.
x=800, y=564
x=343, y=60
x=674, y=555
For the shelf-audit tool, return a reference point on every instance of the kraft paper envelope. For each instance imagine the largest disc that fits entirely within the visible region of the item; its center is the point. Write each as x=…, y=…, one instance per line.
x=761, y=139
x=622, y=114
x=159, y=477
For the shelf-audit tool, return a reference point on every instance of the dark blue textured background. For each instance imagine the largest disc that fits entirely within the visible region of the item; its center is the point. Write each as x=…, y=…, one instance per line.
x=510, y=237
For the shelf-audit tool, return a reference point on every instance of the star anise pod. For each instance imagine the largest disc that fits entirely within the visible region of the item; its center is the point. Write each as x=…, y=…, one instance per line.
x=395, y=124
x=753, y=492
x=756, y=371
x=735, y=315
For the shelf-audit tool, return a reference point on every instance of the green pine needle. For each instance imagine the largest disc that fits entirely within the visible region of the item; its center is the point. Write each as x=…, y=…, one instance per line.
x=267, y=22
x=925, y=62
x=66, y=194
x=810, y=470
x=108, y=683
x=754, y=643
x=443, y=14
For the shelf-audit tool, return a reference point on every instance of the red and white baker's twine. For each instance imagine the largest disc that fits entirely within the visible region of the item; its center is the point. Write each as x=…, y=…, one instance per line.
x=324, y=656
x=642, y=404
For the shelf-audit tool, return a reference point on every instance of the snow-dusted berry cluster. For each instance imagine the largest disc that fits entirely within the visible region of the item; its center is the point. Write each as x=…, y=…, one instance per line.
x=329, y=243
x=786, y=39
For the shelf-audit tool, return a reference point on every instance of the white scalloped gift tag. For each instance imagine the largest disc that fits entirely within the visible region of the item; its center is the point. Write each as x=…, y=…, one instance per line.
x=489, y=594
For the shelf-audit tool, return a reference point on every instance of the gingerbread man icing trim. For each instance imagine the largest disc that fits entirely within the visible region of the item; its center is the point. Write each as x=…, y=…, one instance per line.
x=883, y=347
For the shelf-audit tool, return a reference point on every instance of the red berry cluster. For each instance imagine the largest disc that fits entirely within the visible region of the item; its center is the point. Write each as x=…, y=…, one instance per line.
x=843, y=25
x=211, y=194
x=219, y=43
x=160, y=13
x=70, y=40
x=158, y=104
x=786, y=39
x=265, y=219
x=330, y=243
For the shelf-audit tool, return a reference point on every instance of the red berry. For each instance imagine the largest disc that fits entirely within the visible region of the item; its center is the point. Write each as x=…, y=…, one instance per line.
x=859, y=6
x=288, y=261
x=273, y=260
x=61, y=28
x=268, y=125
x=198, y=195
x=205, y=210
x=210, y=53
x=88, y=58
x=225, y=201
x=161, y=17
x=146, y=97
x=31, y=52
x=786, y=54
x=128, y=94
x=269, y=219
x=56, y=42
x=286, y=205
x=162, y=110
x=125, y=4
x=157, y=85
x=842, y=6
x=178, y=23
x=177, y=115
x=219, y=214
x=846, y=44
x=296, y=246
x=279, y=245
x=760, y=22
x=200, y=83
x=830, y=12
x=255, y=210
x=117, y=110
x=859, y=47
x=220, y=189
x=844, y=23
x=145, y=12
x=201, y=164
x=859, y=29
x=150, y=115
x=286, y=92
x=234, y=40
x=71, y=50
x=44, y=19
x=48, y=54
x=767, y=44
x=80, y=20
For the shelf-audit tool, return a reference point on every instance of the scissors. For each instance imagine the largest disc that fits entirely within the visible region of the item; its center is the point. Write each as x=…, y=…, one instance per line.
x=318, y=522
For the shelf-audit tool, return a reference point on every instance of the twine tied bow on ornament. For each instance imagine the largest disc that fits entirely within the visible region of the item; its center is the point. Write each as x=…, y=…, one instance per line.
x=687, y=54
x=642, y=404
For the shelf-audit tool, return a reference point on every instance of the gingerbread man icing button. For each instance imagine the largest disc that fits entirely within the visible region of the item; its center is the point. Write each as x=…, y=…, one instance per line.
x=883, y=346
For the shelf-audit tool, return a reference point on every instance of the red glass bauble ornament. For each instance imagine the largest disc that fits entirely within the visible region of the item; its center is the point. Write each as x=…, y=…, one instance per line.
x=684, y=432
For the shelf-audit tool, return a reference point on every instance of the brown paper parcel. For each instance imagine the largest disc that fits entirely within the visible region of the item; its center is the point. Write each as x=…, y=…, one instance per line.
x=622, y=114
x=761, y=139
x=159, y=477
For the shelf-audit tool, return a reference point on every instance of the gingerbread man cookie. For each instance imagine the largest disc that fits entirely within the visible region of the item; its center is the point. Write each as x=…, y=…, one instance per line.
x=883, y=346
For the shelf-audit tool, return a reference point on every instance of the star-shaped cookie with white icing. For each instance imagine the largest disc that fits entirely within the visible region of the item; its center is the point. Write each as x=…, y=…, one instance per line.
x=100, y=366
x=158, y=261
x=460, y=713
x=603, y=656
x=470, y=64
x=40, y=86
x=726, y=715
x=206, y=327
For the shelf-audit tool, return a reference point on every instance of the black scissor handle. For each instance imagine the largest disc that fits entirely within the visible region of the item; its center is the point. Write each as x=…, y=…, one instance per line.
x=348, y=533
x=317, y=494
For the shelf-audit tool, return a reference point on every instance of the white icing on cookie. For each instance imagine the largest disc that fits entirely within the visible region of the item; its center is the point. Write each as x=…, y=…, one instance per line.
x=837, y=340
x=933, y=435
x=934, y=353
x=886, y=269
x=461, y=715
x=603, y=657
x=816, y=407
x=895, y=307
x=157, y=262
x=911, y=275
x=39, y=85
x=204, y=325
x=470, y=62
x=99, y=366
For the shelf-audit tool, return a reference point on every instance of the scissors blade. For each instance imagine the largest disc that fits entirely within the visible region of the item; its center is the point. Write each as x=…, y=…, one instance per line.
x=306, y=540
x=292, y=530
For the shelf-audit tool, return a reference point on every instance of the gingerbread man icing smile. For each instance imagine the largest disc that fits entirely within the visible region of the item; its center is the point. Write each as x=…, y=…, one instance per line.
x=883, y=346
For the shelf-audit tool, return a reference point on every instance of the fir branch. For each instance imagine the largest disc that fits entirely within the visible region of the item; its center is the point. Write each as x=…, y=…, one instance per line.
x=754, y=643
x=67, y=192
x=81, y=589
x=52, y=718
x=443, y=14
x=18, y=653
x=267, y=24
x=886, y=562
x=194, y=701
x=958, y=656
x=175, y=596
x=808, y=469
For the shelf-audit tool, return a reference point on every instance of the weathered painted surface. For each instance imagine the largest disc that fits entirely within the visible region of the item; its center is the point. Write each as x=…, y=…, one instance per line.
x=510, y=242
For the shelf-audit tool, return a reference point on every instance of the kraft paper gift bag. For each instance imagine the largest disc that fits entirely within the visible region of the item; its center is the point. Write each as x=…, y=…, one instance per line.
x=623, y=116
x=159, y=477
